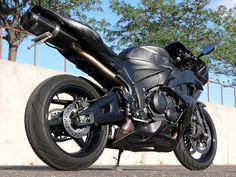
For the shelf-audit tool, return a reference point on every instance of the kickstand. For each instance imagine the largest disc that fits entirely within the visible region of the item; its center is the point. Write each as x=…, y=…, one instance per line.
x=117, y=167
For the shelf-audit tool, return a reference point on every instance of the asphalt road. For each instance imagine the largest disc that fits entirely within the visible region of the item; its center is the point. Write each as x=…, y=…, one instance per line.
x=126, y=171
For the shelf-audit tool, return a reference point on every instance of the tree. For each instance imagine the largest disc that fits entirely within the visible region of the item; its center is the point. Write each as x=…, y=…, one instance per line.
x=225, y=37
x=11, y=12
x=164, y=21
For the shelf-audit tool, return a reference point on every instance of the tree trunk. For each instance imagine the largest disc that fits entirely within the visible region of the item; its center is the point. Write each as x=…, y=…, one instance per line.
x=12, y=53
x=14, y=39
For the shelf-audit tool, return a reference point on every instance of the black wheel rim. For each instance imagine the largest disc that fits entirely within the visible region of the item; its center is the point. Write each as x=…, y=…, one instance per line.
x=200, y=147
x=70, y=145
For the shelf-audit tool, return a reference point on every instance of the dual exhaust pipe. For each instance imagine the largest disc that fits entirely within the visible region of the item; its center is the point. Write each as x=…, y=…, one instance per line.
x=39, y=21
x=37, y=25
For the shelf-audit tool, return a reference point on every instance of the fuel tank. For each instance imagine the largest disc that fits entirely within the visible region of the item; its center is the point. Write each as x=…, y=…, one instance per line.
x=147, y=67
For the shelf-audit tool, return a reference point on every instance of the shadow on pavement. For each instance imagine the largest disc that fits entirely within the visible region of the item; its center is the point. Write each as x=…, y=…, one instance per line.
x=96, y=168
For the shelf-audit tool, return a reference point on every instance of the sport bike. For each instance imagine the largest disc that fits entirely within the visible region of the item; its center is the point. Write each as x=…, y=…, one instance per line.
x=143, y=99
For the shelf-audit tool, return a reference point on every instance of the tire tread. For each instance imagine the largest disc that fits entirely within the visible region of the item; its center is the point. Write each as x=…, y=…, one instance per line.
x=36, y=129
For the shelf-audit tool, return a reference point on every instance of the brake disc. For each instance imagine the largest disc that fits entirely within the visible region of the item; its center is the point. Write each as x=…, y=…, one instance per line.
x=75, y=132
x=201, y=147
x=202, y=142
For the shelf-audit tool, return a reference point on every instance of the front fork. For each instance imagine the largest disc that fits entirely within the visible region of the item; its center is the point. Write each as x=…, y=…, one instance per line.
x=201, y=117
x=200, y=137
x=199, y=112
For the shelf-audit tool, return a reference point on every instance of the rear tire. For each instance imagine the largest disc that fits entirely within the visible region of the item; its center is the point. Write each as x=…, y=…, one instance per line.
x=40, y=135
x=185, y=155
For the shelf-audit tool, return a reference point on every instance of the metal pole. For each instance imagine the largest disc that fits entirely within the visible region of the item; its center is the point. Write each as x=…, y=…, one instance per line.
x=235, y=97
x=222, y=94
x=208, y=91
x=35, y=56
x=1, y=37
x=65, y=65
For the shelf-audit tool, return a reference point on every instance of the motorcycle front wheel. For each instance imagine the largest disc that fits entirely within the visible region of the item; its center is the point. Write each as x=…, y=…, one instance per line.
x=50, y=139
x=197, y=147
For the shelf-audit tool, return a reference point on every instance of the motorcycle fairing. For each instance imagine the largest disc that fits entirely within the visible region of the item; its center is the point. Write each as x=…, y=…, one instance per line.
x=185, y=77
x=147, y=67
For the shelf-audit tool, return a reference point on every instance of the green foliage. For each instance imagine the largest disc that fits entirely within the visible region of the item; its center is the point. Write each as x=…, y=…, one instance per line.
x=72, y=8
x=188, y=21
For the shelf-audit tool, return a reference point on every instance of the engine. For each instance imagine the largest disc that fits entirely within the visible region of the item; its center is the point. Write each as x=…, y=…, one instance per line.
x=164, y=105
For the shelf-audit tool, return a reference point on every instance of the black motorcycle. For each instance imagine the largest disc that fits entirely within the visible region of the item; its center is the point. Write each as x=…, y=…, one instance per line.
x=145, y=99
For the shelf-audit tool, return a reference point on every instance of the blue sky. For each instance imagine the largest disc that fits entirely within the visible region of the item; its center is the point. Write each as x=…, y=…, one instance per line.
x=50, y=58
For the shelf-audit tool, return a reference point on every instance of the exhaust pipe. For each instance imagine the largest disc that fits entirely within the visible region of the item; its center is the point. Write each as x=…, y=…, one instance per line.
x=37, y=24
x=97, y=64
x=37, y=21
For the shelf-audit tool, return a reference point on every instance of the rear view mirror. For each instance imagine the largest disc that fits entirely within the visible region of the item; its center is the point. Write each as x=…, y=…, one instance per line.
x=208, y=49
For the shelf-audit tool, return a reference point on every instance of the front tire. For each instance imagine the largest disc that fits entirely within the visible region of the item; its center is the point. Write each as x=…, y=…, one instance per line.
x=47, y=141
x=194, y=154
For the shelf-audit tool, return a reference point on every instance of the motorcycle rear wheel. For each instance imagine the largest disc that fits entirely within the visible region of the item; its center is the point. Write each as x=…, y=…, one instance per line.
x=192, y=159
x=45, y=141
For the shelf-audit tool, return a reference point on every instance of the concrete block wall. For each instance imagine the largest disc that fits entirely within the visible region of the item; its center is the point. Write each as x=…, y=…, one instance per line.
x=17, y=81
